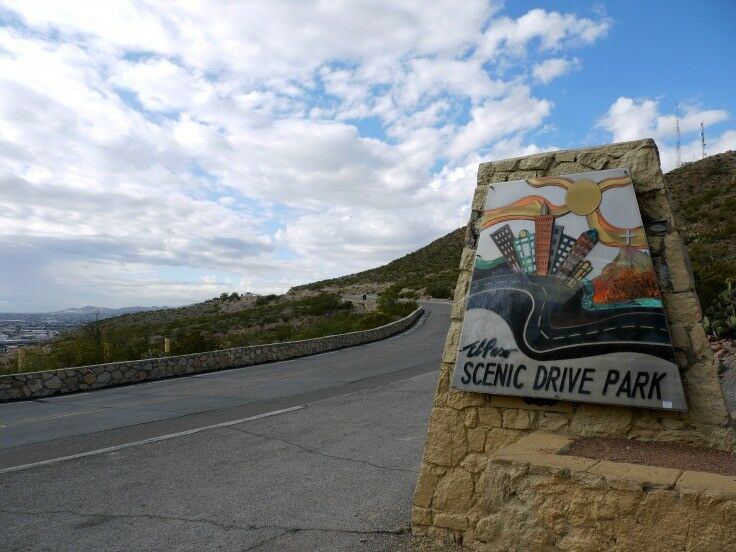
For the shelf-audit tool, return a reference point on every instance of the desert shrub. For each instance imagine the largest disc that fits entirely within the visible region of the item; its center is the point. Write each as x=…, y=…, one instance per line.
x=439, y=291
x=721, y=315
x=263, y=299
x=389, y=303
x=323, y=303
x=193, y=342
x=374, y=319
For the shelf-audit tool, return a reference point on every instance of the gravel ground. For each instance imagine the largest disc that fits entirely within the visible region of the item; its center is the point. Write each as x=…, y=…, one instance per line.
x=666, y=455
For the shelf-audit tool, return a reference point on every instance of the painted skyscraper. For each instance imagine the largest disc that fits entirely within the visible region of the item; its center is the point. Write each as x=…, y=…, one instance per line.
x=504, y=240
x=582, y=247
x=543, y=227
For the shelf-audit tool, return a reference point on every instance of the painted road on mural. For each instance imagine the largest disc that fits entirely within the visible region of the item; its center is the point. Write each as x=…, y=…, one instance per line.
x=538, y=314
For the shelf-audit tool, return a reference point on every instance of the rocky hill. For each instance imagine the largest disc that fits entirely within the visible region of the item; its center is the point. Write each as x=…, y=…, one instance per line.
x=704, y=197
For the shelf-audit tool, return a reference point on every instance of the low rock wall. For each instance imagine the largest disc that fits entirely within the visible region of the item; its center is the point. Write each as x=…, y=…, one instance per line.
x=528, y=497
x=33, y=385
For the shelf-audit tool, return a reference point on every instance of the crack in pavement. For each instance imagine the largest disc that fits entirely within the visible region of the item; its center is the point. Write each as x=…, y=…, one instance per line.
x=324, y=454
x=100, y=518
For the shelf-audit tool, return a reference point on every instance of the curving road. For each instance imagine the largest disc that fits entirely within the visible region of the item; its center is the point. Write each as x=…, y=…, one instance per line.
x=314, y=453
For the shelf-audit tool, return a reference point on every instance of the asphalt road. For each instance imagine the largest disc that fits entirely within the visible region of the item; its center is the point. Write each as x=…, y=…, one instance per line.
x=319, y=453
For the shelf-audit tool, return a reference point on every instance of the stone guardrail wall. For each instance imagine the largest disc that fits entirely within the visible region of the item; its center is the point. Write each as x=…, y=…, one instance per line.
x=33, y=385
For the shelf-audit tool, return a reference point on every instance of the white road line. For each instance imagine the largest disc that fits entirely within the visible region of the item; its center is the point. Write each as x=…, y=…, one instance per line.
x=149, y=440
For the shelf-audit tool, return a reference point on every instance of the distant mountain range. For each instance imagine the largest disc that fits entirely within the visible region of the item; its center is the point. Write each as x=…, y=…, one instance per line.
x=74, y=316
x=104, y=312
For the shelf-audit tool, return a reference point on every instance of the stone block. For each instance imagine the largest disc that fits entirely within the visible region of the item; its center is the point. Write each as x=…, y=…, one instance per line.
x=467, y=258
x=460, y=400
x=566, y=168
x=475, y=462
x=451, y=521
x=490, y=417
x=499, y=438
x=540, y=161
x=711, y=483
x=636, y=473
x=446, y=444
x=476, y=439
x=553, y=421
x=451, y=343
x=595, y=419
x=564, y=156
x=506, y=164
x=454, y=492
x=471, y=417
x=421, y=516
x=593, y=159
x=518, y=418
x=429, y=476
x=485, y=173
x=479, y=199
x=682, y=307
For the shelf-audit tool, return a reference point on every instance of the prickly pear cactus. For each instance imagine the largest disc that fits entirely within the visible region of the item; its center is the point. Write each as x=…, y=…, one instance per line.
x=721, y=315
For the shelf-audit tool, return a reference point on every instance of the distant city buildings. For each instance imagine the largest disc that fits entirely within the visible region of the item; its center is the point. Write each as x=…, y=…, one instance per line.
x=548, y=251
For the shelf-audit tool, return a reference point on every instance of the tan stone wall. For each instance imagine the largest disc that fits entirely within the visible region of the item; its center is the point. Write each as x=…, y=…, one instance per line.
x=533, y=498
x=465, y=428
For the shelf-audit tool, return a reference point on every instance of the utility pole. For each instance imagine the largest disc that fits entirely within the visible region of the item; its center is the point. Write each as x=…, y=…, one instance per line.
x=702, y=138
x=678, y=161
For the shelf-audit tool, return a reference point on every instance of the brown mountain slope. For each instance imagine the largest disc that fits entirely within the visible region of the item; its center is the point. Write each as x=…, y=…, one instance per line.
x=433, y=266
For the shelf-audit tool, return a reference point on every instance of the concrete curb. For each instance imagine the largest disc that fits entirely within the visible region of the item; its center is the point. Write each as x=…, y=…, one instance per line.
x=32, y=385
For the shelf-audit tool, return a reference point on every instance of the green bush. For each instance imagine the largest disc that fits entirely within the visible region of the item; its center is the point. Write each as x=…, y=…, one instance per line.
x=389, y=303
x=721, y=315
x=193, y=342
x=439, y=291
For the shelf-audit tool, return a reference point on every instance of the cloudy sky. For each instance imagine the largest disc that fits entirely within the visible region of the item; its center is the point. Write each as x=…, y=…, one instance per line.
x=160, y=154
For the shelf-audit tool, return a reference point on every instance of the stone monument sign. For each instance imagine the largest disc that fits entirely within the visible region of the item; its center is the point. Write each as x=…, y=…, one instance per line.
x=576, y=327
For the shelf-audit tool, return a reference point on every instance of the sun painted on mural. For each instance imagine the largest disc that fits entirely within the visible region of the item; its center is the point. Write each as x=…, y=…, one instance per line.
x=563, y=273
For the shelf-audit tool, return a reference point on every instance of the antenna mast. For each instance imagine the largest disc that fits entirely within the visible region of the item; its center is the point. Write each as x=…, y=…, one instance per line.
x=702, y=138
x=678, y=162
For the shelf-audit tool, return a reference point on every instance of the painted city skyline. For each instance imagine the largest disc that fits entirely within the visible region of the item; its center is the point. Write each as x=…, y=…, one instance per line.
x=573, y=239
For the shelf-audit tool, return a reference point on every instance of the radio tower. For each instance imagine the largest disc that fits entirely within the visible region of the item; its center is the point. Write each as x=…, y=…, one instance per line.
x=678, y=161
x=702, y=138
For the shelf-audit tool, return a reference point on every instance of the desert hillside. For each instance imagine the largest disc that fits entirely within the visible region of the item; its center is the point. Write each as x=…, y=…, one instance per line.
x=704, y=197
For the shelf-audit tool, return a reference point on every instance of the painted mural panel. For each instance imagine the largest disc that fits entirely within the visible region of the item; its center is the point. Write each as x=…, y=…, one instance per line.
x=564, y=302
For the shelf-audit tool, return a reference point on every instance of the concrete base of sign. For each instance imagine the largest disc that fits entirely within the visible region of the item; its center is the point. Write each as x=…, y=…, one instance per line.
x=466, y=429
x=529, y=497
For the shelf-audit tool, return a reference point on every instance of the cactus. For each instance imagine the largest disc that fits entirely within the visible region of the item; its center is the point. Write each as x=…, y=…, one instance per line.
x=721, y=315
